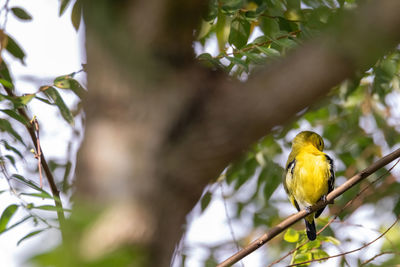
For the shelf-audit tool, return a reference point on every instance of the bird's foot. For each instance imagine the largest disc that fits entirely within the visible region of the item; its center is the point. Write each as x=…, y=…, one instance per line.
x=324, y=200
x=308, y=209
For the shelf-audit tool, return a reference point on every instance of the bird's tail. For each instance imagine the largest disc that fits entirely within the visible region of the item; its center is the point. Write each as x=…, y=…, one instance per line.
x=310, y=228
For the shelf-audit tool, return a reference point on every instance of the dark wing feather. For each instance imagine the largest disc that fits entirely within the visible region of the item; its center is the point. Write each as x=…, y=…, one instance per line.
x=331, y=183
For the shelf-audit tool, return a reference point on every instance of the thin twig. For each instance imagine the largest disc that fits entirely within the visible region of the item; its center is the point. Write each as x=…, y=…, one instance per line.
x=302, y=214
x=378, y=255
x=38, y=153
x=335, y=217
x=46, y=168
x=351, y=251
x=229, y=221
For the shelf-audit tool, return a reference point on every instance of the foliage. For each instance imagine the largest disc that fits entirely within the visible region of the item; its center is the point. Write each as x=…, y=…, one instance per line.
x=358, y=120
x=20, y=137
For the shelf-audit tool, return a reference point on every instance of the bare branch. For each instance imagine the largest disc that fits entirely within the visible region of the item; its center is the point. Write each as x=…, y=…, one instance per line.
x=335, y=217
x=351, y=251
x=378, y=255
x=302, y=214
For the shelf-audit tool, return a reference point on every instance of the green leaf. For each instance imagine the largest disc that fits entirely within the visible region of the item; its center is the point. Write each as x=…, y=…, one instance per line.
x=330, y=239
x=49, y=208
x=270, y=27
x=209, y=61
x=6, y=83
x=14, y=49
x=319, y=254
x=31, y=234
x=21, y=13
x=268, y=51
x=212, y=12
x=56, y=97
x=239, y=62
x=271, y=174
x=63, y=6
x=66, y=82
x=5, y=126
x=15, y=116
x=25, y=99
x=205, y=200
x=11, y=159
x=16, y=224
x=28, y=183
x=240, y=32
x=11, y=148
x=76, y=14
x=6, y=216
x=44, y=100
x=312, y=244
x=291, y=236
x=40, y=195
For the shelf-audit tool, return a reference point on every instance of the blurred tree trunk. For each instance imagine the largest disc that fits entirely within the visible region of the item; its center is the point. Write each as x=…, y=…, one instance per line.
x=160, y=127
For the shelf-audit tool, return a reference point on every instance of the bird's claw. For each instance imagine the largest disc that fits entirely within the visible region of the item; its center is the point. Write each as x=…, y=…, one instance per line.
x=308, y=209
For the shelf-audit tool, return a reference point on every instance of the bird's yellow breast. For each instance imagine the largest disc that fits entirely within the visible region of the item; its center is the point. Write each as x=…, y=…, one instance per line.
x=310, y=177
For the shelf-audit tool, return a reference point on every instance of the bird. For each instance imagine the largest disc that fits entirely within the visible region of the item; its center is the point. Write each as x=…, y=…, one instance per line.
x=309, y=176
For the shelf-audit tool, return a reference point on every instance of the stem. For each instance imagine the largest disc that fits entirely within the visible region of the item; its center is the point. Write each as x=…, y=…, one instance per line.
x=49, y=175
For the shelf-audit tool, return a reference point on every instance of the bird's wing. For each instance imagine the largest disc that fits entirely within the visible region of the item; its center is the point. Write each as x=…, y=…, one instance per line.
x=287, y=181
x=331, y=182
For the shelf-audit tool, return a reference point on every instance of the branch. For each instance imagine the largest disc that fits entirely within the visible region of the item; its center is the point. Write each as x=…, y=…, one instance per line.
x=378, y=255
x=302, y=214
x=337, y=214
x=50, y=178
x=351, y=251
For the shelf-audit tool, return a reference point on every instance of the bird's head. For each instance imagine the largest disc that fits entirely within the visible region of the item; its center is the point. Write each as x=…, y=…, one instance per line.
x=308, y=137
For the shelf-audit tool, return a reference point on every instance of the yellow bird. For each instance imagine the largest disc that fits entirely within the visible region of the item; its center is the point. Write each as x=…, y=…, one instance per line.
x=309, y=175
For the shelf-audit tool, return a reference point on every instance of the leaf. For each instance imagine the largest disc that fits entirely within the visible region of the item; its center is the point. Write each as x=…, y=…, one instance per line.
x=40, y=195
x=15, y=116
x=331, y=239
x=25, y=99
x=291, y=236
x=6, y=83
x=209, y=60
x=63, y=6
x=76, y=14
x=5, y=126
x=31, y=234
x=240, y=32
x=239, y=62
x=14, y=49
x=11, y=159
x=49, y=208
x=270, y=27
x=66, y=82
x=56, y=97
x=212, y=12
x=16, y=224
x=6, y=216
x=21, y=13
x=271, y=174
x=28, y=183
x=268, y=51
x=11, y=148
x=205, y=200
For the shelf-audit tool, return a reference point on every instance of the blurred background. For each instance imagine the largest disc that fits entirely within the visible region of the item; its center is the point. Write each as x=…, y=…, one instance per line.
x=359, y=120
